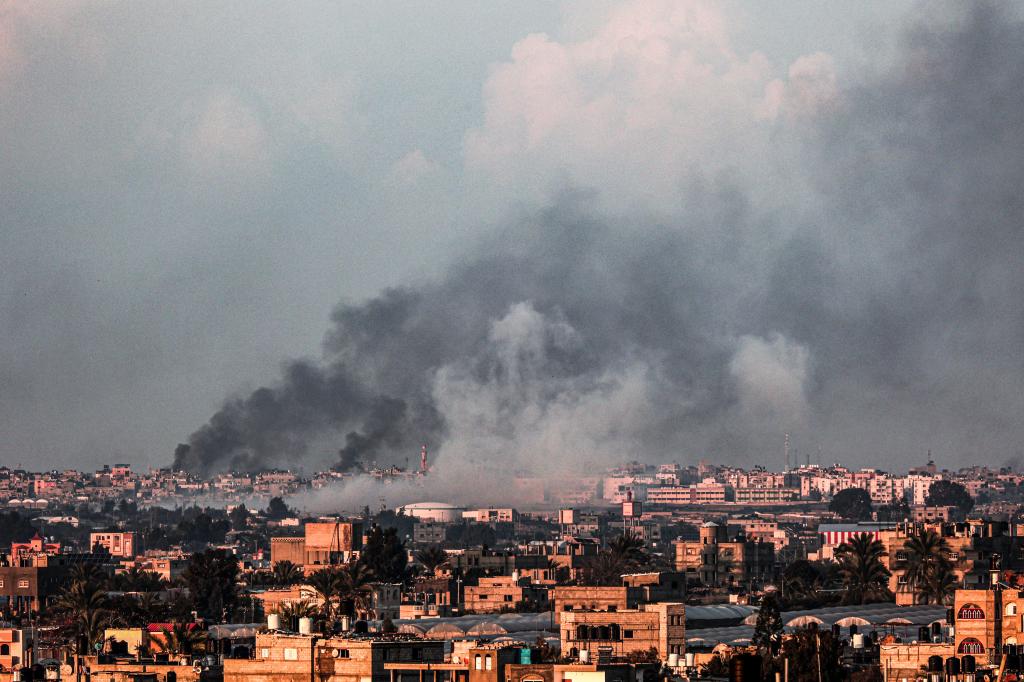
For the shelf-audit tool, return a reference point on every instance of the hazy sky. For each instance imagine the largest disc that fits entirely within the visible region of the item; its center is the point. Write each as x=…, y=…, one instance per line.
x=189, y=189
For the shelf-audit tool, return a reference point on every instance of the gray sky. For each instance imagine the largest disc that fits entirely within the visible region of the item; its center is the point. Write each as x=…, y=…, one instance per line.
x=187, y=191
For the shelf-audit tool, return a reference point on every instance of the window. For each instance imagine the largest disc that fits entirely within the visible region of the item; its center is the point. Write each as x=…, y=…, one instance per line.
x=970, y=612
x=901, y=556
x=902, y=580
x=612, y=608
x=264, y=653
x=1011, y=609
x=5, y=650
x=627, y=634
x=487, y=662
x=508, y=597
x=1, y=582
x=954, y=556
x=970, y=646
x=478, y=663
x=291, y=654
x=23, y=583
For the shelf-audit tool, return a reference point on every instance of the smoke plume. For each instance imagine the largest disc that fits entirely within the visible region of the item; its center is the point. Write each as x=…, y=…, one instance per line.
x=875, y=314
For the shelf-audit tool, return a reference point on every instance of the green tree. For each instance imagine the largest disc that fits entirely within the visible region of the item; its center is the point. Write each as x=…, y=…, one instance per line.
x=327, y=584
x=384, y=555
x=432, y=558
x=239, y=517
x=286, y=573
x=929, y=571
x=277, y=509
x=864, y=576
x=212, y=580
x=949, y=494
x=182, y=639
x=354, y=589
x=852, y=503
x=88, y=608
x=768, y=628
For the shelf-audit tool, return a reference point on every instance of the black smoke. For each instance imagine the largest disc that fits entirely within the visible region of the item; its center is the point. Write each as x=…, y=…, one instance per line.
x=887, y=307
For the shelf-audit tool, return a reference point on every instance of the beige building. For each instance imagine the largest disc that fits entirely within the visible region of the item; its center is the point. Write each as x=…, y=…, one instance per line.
x=636, y=589
x=717, y=559
x=661, y=627
x=322, y=544
x=119, y=544
x=16, y=645
x=504, y=593
x=300, y=658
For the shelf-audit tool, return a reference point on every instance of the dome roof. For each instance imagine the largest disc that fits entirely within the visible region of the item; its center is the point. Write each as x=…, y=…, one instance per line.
x=430, y=505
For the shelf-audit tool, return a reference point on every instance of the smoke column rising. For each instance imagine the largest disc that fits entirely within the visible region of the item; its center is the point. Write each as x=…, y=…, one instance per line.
x=877, y=316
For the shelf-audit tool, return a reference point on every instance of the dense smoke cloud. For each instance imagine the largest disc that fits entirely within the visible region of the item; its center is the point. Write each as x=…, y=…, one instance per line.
x=872, y=312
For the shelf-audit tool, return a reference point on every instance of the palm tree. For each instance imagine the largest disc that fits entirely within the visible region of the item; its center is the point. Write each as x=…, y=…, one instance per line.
x=929, y=571
x=87, y=607
x=432, y=558
x=182, y=638
x=326, y=583
x=136, y=579
x=630, y=547
x=864, y=576
x=88, y=574
x=354, y=588
x=299, y=609
x=286, y=573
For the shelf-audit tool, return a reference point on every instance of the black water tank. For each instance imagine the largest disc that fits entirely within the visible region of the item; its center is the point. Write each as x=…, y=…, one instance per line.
x=745, y=668
x=967, y=664
x=952, y=666
x=935, y=664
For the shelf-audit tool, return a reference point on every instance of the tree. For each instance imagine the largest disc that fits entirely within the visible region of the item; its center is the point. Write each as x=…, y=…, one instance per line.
x=326, y=583
x=432, y=558
x=87, y=605
x=852, y=503
x=384, y=555
x=631, y=548
x=864, y=576
x=136, y=579
x=277, y=509
x=212, y=580
x=929, y=571
x=286, y=573
x=14, y=527
x=949, y=494
x=239, y=517
x=354, y=590
x=182, y=639
x=768, y=629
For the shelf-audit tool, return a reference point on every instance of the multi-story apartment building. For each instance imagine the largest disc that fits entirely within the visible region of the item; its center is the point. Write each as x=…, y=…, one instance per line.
x=717, y=559
x=116, y=543
x=660, y=626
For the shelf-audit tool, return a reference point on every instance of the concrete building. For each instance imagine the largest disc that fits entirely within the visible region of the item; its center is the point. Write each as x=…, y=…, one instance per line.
x=636, y=589
x=615, y=634
x=301, y=658
x=16, y=646
x=717, y=559
x=116, y=544
x=322, y=544
x=505, y=593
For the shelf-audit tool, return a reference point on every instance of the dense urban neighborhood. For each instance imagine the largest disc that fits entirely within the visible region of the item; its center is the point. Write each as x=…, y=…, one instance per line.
x=636, y=573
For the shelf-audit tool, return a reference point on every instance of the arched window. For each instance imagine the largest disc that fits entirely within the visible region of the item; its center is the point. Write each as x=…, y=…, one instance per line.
x=1011, y=609
x=970, y=646
x=172, y=676
x=478, y=662
x=582, y=632
x=970, y=612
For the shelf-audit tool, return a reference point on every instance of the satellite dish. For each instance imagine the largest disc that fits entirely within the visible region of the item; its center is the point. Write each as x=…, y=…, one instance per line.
x=335, y=653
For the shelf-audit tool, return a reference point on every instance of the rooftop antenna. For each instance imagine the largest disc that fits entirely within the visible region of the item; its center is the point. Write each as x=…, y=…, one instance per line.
x=786, y=450
x=423, y=459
